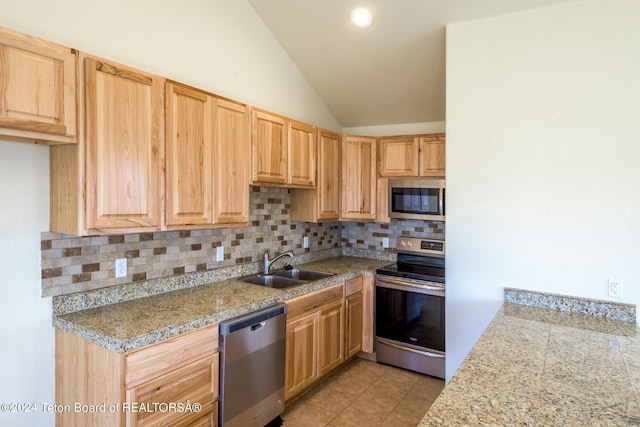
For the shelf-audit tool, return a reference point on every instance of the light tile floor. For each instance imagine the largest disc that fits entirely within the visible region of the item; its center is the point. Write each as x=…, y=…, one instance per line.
x=365, y=393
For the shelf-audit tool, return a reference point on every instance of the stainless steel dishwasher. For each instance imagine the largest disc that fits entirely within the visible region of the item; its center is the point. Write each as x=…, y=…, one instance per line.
x=252, y=356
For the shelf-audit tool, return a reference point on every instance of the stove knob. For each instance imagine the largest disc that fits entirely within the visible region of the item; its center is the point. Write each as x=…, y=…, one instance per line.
x=403, y=243
x=409, y=244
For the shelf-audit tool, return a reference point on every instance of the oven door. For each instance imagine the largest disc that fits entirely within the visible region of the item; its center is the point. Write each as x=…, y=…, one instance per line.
x=410, y=325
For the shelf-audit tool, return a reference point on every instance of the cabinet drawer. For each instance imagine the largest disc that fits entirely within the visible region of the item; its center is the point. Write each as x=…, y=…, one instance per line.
x=146, y=363
x=299, y=306
x=152, y=401
x=352, y=286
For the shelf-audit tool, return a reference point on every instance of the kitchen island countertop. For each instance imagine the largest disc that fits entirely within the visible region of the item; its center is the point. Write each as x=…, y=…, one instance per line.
x=540, y=367
x=133, y=324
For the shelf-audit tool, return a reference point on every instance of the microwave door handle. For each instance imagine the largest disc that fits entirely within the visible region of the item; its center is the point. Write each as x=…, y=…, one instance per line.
x=441, y=202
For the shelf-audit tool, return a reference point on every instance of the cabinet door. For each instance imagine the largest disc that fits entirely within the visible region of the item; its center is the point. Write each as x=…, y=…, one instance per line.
x=353, y=330
x=398, y=156
x=124, y=145
x=331, y=338
x=189, y=146
x=192, y=383
x=328, y=186
x=432, y=155
x=358, y=178
x=301, y=354
x=37, y=89
x=302, y=154
x=231, y=172
x=368, y=314
x=269, y=148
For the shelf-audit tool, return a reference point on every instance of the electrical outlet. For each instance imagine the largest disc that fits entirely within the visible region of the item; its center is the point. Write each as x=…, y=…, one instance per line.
x=220, y=253
x=615, y=288
x=121, y=267
x=385, y=242
x=305, y=242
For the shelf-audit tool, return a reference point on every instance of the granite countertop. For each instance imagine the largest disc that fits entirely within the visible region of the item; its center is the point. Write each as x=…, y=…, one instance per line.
x=129, y=325
x=540, y=367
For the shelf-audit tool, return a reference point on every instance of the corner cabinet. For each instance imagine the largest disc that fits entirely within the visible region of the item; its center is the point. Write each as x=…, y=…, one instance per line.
x=283, y=151
x=37, y=90
x=112, y=182
x=322, y=203
x=358, y=178
x=137, y=388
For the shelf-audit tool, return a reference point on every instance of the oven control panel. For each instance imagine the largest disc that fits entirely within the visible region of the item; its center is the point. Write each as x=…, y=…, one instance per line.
x=409, y=244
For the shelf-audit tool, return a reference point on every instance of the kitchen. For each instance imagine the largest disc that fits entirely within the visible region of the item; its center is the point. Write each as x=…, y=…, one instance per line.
x=519, y=230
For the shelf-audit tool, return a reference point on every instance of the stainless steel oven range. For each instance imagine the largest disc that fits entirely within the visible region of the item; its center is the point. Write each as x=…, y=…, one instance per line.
x=410, y=307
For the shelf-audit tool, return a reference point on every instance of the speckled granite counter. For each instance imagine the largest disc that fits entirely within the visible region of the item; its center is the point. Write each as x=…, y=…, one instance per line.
x=539, y=367
x=133, y=324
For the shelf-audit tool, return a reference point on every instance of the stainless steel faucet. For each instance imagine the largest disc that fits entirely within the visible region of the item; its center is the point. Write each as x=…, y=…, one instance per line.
x=267, y=262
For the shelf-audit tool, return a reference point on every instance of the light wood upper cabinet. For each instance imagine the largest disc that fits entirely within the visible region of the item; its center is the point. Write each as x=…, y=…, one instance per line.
x=112, y=181
x=398, y=156
x=124, y=143
x=232, y=148
x=358, y=178
x=302, y=154
x=189, y=156
x=283, y=151
x=416, y=155
x=432, y=155
x=269, y=148
x=322, y=203
x=207, y=152
x=37, y=90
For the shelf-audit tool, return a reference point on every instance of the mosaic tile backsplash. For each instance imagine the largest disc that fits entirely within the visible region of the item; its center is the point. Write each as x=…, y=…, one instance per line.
x=77, y=264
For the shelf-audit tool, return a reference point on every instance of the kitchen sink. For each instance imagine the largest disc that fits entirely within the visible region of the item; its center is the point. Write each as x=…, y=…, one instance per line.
x=284, y=278
x=305, y=275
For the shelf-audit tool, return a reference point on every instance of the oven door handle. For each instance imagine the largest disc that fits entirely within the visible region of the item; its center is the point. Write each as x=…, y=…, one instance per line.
x=435, y=290
x=412, y=350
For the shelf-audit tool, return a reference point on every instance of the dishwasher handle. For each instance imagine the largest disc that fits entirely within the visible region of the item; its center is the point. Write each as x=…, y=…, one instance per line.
x=252, y=320
x=258, y=326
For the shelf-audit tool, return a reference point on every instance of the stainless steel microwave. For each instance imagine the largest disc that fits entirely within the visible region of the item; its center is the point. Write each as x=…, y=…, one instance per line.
x=416, y=198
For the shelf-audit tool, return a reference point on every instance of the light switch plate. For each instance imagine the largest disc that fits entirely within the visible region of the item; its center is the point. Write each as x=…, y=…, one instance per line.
x=305, y=242
x=385, y=242
x=220, y=253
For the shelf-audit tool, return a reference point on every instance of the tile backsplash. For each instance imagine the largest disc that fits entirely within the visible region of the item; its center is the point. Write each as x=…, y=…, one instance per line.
x=77, y=264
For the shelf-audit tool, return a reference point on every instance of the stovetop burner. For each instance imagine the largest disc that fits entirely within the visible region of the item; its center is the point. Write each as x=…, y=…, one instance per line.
x=418, y=259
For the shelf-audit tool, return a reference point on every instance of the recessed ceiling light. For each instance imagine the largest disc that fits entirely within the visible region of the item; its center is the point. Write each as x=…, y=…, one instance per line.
x=361, y=17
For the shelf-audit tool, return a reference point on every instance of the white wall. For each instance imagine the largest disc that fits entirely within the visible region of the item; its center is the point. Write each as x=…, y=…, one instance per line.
x=543, y=155
x=218, y=45
x=27, y=356
x=396, y=129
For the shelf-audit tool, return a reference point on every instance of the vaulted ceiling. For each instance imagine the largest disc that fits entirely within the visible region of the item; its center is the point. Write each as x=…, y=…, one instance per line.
x=390, y=73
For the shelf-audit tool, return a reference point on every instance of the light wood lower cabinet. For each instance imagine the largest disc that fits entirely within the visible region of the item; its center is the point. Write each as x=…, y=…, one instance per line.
x=315, y=337
x=155, y=386
x=301, y=354
x=353, y=315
